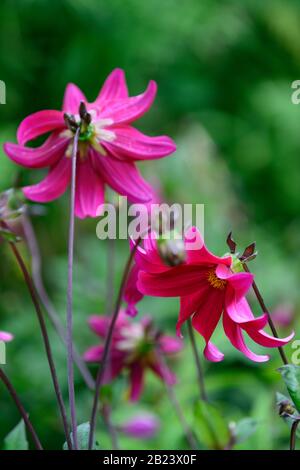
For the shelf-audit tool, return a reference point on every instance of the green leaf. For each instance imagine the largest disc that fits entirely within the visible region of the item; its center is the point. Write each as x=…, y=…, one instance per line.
x=244, y=428
x=210, y=427
x=16, y=439
x=291, y=377
x=83, y=432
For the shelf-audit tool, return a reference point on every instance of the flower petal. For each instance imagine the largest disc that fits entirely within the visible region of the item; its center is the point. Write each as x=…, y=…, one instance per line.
x=136, y=380
x=54, y=185
x=114, y=87
x=189, y=305
x=89, y=190
x=39, y=123
x=129, y=109
x=45, y=155
x=93, y=354
x=6, y=337
x=72, y=98
x=123, y=177
x=205, y=321
x=197, y=253
x=235, y=336
x=240, y=282
x=170, y=345
x=163, y=372
x=179, y=281
x=264, y=339
x=133, y=144
x=131, y=294
x=241, y=313
x=99, y=324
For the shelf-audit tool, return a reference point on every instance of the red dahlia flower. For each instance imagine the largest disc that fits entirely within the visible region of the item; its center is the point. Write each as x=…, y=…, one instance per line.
x=108, y=146
x=208, y=290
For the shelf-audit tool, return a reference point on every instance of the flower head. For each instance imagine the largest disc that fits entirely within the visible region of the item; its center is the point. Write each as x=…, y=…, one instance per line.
x=208, y=290
x=136, y=347
x=108, y=146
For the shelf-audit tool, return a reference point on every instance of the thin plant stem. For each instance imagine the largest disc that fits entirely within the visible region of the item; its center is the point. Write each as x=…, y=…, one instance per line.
x=106, y=412
x=110, y=275
x=21, y=409
x=70, y=357
x=107, y=344
x=36, y=269
x=293, y=434
x=191, y=440
x=265, y=310
x=200, y=374
x=43, y=327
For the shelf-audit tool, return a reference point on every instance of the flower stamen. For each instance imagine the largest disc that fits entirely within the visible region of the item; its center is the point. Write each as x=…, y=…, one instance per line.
x=215, y=281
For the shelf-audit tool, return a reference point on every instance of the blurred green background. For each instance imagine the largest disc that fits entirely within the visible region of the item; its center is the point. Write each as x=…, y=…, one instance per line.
x=224, y=72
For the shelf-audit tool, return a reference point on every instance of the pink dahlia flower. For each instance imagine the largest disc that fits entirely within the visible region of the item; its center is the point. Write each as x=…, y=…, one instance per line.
x=208, y=290
x=6, y=337
x=108, y=147
x=134, y=348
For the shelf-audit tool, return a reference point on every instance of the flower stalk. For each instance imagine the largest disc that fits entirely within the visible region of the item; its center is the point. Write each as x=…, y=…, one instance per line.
x=107, y=345
x=200, y=374
x=265, y=310
x=21, y=409
x=70, y=353
x=35, y=301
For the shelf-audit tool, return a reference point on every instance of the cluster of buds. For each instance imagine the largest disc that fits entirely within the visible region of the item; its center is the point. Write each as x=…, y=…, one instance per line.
x=82, y=121
x=172, y=252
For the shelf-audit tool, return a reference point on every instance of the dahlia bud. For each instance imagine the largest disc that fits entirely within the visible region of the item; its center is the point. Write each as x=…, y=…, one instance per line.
x=172, y=252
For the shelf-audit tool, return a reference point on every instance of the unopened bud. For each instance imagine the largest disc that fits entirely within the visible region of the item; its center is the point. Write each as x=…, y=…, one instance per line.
x=172, y=252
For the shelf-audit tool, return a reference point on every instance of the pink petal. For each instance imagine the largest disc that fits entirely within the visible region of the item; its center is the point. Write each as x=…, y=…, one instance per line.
x=114, y=87
x=6, y=337
x=45, y=155
x=235, y=335
x=136, y=380
x=122, y=177
x=205, y=321
x=239, y=282
x=264, y=339
x=163, y=372
x=240, y=312
x=93, y=354
x=89, y=190
x=178, y=281
x=212, y=353
x=72, y=99
x=201, y=255
x=129, y=109
x=39, y=123
x=54, y=185
x=132, y=144
x=148, y=259
x=131, y=294
x=170, y=345
x=99, y=324
x=189, y=305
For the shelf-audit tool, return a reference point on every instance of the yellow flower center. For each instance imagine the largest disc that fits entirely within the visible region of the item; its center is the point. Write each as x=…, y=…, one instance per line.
x=215, y=281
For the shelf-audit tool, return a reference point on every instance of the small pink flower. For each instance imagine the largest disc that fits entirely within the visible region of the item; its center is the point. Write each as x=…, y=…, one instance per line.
x=142, y=426
x=134, y=348
x=6, y=337
x=283, y=314
x=108, y=147
x=208, y=290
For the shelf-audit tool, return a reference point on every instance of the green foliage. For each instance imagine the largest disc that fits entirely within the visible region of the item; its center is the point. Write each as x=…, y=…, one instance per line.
x=291, y=376
x=16, y=439
x=83, y=432
x=243, y=429
x=210, y=427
